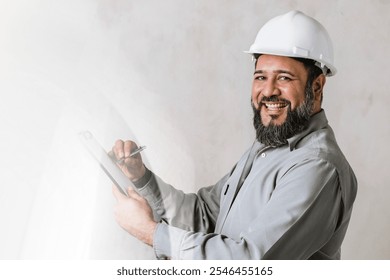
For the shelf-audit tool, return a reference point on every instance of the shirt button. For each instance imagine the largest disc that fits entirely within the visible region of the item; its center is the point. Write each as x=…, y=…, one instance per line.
x=263, y=155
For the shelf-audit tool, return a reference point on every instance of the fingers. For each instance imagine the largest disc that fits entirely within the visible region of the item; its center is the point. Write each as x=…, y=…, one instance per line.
x=133, y=194
x=131, y=166
x=130, y=192
x=123, y=149
x=118, y=149
x=128, y=147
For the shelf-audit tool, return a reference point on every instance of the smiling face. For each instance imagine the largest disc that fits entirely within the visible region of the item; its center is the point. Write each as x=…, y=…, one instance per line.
x=282, y=98
x=278, y=85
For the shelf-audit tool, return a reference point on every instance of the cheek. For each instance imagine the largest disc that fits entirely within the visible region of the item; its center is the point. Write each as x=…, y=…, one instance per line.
x=296, y=102
x=296, y=96
x=255, y=96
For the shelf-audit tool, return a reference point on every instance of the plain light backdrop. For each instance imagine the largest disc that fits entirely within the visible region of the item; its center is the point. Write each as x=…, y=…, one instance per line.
x=171, y=75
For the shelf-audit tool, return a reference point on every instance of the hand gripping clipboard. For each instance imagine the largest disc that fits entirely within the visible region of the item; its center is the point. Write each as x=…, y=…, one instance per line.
x=106, y=163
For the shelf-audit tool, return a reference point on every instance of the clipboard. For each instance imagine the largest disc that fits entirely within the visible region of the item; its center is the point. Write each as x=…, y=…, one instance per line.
x=105, y=162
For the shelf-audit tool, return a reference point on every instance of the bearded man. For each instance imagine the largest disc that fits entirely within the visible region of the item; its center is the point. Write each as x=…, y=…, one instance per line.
x=290, y=196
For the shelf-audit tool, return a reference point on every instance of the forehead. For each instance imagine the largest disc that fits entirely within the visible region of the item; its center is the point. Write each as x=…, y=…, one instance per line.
x=275, y=63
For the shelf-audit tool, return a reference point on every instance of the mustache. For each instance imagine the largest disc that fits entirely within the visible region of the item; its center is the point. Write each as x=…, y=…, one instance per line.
x=274, y=98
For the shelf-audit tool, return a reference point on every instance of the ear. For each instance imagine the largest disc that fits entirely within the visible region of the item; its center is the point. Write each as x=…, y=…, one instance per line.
x=318, y=86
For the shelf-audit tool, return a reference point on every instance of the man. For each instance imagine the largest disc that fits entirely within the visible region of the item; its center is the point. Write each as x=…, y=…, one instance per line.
x=290, y=196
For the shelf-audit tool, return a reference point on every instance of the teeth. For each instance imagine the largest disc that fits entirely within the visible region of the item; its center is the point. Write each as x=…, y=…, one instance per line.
x=275, y=105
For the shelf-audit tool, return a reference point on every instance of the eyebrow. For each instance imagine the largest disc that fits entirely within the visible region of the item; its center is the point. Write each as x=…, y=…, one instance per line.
x=275, y=71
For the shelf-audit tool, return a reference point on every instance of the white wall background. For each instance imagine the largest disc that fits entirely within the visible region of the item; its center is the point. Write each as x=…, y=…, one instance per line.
x=171, y=75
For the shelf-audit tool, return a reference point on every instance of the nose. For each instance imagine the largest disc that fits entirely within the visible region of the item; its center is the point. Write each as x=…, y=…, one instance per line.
x=269, y=89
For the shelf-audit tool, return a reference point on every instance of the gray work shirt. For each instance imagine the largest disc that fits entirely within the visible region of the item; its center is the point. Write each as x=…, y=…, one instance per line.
x=295, y=203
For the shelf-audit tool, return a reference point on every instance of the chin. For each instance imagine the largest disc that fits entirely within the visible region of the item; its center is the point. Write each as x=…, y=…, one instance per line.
x=274, y=120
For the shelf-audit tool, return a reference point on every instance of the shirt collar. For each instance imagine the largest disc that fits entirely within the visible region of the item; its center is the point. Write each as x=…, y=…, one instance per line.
x=316, y=122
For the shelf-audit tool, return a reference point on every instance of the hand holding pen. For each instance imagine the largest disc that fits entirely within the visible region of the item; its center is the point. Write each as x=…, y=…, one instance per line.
x=126, y=155
x=133, y=153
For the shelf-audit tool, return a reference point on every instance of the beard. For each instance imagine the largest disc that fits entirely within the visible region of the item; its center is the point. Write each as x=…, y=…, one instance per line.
x=296, y=121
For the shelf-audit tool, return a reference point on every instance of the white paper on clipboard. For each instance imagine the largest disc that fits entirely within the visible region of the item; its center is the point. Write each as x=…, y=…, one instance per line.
x=106, y=163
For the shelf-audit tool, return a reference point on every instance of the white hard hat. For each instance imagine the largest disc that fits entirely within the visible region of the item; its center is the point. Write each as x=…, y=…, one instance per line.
x=295, y=34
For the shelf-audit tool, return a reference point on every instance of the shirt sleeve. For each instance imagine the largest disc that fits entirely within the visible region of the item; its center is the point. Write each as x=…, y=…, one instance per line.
x=299, y=219
x=188, y=211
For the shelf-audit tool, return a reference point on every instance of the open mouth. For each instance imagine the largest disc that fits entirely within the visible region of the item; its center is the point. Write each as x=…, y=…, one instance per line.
x=275, y=106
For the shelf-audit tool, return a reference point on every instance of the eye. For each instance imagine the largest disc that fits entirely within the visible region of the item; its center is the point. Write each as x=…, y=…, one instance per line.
x=284, y=78
x=260, y=78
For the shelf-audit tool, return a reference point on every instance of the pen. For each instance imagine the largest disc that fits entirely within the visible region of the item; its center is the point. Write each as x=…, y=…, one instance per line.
x=135, y=152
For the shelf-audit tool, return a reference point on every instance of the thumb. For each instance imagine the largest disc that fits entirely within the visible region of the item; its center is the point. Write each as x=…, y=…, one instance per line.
x=117, y=193
x=133, y=194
